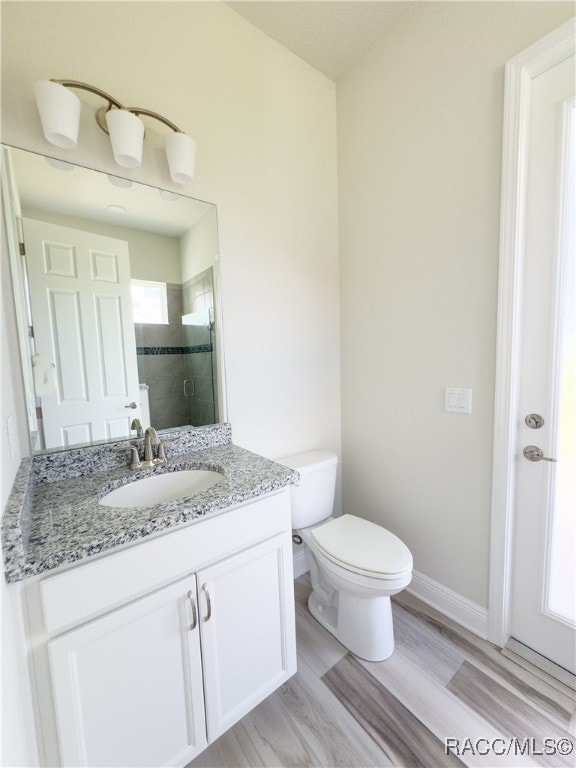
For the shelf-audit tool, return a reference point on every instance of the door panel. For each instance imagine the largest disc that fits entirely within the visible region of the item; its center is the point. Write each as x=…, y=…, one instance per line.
x=65, y=324
x=111, y=346
x=128, y=686
x=247, y=630
x=544, y=373
x=82, y=316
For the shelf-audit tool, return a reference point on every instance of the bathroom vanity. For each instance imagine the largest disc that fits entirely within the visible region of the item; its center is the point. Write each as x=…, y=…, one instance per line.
x=152, y=630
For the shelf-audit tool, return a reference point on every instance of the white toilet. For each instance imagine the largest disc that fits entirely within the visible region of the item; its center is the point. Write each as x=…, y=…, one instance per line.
x=355, y=565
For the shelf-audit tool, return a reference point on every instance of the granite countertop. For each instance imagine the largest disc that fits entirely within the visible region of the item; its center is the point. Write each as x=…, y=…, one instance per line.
x=49, y=524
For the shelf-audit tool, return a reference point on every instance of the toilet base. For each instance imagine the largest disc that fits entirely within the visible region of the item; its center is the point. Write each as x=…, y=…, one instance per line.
x=363, y=625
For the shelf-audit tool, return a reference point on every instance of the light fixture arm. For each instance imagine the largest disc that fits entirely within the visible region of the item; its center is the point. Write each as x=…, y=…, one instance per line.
x=112, y=102
x=156, y=116
x=91, y=88
x=59, y=111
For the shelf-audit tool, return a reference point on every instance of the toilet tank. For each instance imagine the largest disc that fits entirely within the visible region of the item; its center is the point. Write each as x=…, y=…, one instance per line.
x=313, y=495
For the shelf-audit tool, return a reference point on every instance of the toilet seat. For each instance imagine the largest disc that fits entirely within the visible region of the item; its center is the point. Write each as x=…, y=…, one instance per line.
x=363, y=547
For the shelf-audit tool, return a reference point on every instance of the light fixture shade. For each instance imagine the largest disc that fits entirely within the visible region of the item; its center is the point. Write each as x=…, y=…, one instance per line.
x=59, y=110
x=126, y=136
x=181, y=155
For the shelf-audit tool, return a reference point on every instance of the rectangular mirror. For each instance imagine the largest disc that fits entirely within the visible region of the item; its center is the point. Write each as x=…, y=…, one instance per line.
x=116, y=285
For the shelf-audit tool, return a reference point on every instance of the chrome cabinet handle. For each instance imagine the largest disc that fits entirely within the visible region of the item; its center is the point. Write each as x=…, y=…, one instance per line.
x=131, y=405
x=533, y=453
x=194, y=611
x=208, y=603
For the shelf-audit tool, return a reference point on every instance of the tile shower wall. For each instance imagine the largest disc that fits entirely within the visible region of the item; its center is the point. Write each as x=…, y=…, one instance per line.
x=170, y=354
x=161, y=364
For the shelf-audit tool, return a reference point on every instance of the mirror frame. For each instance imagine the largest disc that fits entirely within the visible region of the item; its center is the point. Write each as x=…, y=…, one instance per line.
x=12, y=216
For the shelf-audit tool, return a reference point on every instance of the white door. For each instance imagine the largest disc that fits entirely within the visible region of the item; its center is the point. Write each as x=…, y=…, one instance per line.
x=128, y=686
x=247, y=630
x=543, y=572
x=83, y=330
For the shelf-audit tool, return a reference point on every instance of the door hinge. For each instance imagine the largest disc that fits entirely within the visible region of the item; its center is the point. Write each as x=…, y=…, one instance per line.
x=20, y=234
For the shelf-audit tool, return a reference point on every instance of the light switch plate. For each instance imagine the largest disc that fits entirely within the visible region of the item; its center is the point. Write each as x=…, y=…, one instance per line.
x=458, y=400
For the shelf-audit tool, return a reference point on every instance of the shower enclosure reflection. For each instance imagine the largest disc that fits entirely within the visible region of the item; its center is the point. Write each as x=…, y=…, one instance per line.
x=176, y=360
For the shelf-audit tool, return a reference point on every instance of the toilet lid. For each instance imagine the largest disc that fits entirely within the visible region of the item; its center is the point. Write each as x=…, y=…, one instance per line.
x=363, y=547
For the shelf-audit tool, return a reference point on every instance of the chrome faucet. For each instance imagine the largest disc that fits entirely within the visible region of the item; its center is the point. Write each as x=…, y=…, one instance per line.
x=137, y=425
x=150, y=439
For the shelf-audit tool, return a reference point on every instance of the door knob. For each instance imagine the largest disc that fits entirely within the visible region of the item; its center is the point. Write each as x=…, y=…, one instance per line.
x=533, y=453
x=131, y=405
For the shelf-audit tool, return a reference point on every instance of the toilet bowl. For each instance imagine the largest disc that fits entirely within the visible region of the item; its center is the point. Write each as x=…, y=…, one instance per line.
x=355, y=565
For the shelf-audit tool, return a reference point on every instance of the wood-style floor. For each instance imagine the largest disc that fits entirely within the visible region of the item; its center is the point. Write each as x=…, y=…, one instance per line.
x=444, y=698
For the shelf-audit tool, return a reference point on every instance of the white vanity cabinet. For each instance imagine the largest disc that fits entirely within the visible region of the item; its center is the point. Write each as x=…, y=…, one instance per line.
x=128, y=686
x=151, y=680
x=244, y=632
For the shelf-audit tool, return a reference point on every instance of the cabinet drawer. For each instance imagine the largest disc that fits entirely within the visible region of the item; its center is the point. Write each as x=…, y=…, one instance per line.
x=82, y=591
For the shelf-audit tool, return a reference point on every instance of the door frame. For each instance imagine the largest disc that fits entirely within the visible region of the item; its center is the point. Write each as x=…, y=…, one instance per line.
x=519, y=74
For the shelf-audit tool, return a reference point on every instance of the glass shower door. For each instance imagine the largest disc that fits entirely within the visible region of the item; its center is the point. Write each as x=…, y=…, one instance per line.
x=198, y=366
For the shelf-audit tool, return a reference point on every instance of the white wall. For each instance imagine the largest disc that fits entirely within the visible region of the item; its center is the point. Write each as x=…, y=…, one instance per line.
x=152, y=256
x=265, y=128
x=419, y=139
x=199, y=246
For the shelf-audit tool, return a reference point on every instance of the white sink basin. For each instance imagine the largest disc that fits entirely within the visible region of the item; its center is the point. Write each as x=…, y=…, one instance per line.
x=160, y=488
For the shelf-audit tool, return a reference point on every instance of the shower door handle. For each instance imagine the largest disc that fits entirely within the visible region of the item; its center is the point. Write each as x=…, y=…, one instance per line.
x=186, y=389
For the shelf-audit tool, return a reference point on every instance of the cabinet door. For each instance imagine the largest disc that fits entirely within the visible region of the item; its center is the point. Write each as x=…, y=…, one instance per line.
x=247, y=630
x=128, y=686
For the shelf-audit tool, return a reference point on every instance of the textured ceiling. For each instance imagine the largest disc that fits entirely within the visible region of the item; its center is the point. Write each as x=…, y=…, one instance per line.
x=330, y=36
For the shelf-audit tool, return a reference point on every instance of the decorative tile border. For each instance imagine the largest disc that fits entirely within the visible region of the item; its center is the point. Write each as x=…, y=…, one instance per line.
x=174, y=350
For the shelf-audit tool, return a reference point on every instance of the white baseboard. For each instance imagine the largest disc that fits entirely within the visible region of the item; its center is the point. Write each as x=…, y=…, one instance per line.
x=450, y=603
x=299, y=560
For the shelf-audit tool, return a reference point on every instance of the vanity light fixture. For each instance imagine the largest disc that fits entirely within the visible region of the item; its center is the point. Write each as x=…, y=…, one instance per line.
x=59, y=110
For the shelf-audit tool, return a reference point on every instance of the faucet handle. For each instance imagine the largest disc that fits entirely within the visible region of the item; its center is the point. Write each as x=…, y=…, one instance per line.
x=135, y=456
x=161, y=455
